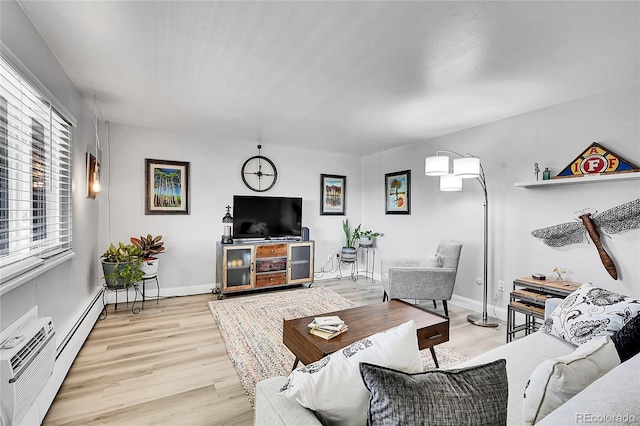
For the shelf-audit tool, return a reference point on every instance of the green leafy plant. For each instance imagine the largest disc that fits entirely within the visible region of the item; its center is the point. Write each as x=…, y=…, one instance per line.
x=121, y=265
x=350, y=237
x=369, y=234
x=150, y=246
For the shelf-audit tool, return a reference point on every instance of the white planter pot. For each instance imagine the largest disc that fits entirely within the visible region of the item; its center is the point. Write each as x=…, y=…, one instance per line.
x=365, y=242
x=150, y=267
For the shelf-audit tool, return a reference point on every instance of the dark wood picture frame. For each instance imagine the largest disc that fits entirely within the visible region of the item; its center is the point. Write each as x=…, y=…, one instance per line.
x=166, y=187
x=333, y=194
x=397, y=192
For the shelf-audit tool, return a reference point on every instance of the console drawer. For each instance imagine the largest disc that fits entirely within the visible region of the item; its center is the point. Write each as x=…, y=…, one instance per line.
x=266, y=280
x=271, y=264
x=271, y=250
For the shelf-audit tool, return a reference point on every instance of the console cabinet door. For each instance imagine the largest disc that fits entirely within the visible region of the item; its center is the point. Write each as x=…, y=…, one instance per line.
x=238, y=271
x=300, y=257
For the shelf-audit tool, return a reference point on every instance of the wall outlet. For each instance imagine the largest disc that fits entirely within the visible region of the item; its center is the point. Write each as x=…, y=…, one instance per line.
x=501, y=285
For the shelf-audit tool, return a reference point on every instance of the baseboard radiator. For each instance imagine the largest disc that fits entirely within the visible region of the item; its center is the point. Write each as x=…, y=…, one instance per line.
x=27, y=359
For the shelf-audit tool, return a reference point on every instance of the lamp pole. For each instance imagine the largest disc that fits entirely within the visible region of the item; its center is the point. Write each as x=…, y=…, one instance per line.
x=483, y=320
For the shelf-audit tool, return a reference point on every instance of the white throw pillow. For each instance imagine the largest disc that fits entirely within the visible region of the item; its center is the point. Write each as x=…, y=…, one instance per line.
x=590, y=312
x=333, y=387
x=432, y=262
x=557, y=380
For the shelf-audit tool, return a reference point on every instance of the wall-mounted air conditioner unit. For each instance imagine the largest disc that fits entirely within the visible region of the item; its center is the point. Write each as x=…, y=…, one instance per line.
x=27, y=357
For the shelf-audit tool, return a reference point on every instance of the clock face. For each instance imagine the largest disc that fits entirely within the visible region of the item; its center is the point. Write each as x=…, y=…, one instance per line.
x=259, y=173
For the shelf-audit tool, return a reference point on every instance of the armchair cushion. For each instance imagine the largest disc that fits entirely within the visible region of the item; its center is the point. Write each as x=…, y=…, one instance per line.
x=432, y=262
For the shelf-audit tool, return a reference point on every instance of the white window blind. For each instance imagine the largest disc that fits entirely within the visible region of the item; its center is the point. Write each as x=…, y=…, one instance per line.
x=35, y=177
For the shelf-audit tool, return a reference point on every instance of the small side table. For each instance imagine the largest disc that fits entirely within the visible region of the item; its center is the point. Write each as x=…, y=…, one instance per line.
x=367, y=250
x=528, y=298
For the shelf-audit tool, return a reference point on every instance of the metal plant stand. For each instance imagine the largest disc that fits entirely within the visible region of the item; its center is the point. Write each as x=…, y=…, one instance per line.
x=367, y=250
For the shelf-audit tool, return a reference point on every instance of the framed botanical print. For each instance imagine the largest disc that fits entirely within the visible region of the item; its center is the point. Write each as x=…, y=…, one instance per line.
x=397, y=190
x=166, y=187
x=333, y=192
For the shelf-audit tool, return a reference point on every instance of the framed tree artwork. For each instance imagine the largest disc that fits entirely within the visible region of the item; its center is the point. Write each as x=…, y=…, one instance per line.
x=397, y=190
x=333, y=192
x=166, y=187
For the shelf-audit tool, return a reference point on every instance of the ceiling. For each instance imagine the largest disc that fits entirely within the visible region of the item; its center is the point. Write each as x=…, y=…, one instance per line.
x=357, y=77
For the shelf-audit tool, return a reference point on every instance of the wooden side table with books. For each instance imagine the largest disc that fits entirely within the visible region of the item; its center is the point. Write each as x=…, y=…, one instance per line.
x=528, y=298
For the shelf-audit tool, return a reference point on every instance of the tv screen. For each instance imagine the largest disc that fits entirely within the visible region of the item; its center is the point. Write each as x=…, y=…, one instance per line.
x=266, y=217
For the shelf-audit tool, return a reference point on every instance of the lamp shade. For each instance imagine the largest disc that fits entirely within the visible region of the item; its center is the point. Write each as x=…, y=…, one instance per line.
x=466, y=167
x=437, y=165
x=450, y=183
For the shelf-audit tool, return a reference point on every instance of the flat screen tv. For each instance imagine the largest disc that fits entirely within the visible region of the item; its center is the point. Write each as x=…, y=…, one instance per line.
x=257, y=217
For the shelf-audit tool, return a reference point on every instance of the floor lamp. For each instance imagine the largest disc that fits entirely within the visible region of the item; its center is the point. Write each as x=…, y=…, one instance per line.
x=465, y=166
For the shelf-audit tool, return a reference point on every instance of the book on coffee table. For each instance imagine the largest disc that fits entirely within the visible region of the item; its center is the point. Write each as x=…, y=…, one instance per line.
x=327, y=327
x=328, y=334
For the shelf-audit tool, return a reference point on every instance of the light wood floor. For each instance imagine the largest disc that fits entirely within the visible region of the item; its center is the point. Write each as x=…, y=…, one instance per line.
x=168, y=365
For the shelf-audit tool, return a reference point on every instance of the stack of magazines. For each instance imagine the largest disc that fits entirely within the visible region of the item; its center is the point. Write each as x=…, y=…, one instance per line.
x=327, y=327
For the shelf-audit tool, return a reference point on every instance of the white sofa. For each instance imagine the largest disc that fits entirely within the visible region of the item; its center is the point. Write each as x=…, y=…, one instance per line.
x=612, y=399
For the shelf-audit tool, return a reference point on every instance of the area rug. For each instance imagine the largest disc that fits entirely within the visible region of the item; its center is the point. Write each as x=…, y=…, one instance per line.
x=251, y=327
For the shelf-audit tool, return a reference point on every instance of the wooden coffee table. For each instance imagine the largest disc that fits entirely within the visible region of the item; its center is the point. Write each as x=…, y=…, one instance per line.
x=363, y=322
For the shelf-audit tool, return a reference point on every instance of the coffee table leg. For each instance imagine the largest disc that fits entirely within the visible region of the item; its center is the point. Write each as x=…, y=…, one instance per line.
x=433, y=355
x=295, y=364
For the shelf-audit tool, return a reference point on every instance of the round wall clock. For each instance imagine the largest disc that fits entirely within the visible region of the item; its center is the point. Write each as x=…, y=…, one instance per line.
x=259, y=173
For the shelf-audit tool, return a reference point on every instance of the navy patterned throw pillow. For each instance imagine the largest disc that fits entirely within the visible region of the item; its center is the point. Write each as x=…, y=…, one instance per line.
x=627, y=339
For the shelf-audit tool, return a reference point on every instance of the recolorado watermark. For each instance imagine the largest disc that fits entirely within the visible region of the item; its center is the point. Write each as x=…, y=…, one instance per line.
x=605, y=418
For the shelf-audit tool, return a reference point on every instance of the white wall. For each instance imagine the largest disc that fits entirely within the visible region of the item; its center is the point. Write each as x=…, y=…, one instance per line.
x=188, y=263
x=63, y=292
x=553, y=137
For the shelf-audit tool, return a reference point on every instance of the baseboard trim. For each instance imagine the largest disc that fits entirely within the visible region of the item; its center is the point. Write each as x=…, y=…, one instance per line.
x=150, y=292
x=474, y=305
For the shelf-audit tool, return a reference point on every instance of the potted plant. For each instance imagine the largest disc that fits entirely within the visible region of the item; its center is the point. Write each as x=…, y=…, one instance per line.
x=150, y=247
x=348, y=253
x=366, y=238
x=121, y=265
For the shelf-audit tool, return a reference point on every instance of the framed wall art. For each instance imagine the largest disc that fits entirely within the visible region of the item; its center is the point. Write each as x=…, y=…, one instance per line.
x=397, y=191
x=166, y=187
x=333, y=192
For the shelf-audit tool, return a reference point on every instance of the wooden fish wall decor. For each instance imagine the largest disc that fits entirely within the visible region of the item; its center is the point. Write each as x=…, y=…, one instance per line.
x=613, y=221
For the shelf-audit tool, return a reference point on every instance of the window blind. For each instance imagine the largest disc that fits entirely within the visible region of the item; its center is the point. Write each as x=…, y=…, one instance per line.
x=35, y=176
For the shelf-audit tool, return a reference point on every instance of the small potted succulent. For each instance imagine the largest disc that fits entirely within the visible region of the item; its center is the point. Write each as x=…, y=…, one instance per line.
x=121, y=265
x=150, y=247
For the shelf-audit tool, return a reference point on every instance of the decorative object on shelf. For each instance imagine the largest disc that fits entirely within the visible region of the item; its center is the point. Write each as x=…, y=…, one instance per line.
x=166, y=187
x=259, y=173
x=333, y=193
x=464, y=167
x=227, y=222
x=536, y=172
x=559, y=272
x=398, y=192
x=597, y=159
x=546, y=174
x=613, y=221
x=348, y=253
x=151, y=247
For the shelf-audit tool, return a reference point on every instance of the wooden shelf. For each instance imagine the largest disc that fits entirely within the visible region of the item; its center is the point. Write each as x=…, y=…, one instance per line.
x=582, y=179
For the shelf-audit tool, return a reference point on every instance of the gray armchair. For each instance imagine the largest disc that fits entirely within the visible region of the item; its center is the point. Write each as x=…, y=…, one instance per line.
x=431, y=278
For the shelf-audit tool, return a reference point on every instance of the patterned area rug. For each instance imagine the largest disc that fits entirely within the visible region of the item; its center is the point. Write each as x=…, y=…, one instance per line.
x=252, y=331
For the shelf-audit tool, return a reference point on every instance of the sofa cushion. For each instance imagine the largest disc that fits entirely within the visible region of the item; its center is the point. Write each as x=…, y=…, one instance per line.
x=469, y=396
x=612, y=399
x=523, y=356
x=590, y=312
x=556, y=380
x=333, y=387
x=627, y=339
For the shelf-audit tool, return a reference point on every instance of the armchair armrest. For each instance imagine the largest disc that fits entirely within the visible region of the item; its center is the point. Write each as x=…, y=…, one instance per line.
x=422, y=283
